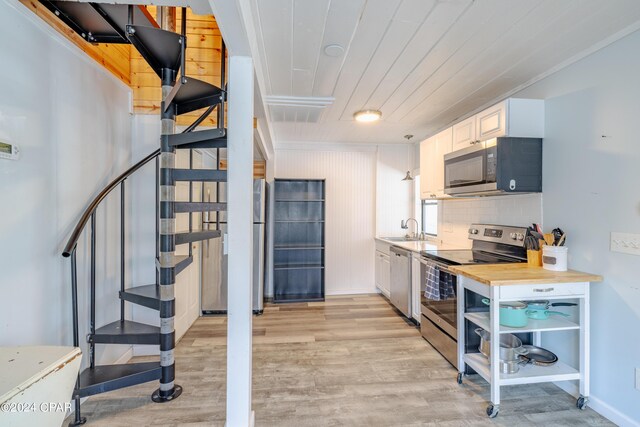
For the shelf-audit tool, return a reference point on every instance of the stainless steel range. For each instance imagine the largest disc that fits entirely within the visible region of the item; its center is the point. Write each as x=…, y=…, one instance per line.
x=492, y=244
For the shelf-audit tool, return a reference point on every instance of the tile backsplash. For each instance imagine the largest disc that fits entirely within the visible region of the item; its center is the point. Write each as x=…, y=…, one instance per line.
x=455, y=215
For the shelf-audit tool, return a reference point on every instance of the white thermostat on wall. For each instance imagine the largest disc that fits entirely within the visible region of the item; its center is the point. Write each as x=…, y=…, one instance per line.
x=9, y=151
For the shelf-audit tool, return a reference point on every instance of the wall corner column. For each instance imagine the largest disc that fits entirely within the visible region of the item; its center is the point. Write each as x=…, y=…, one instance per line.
x=240, y=229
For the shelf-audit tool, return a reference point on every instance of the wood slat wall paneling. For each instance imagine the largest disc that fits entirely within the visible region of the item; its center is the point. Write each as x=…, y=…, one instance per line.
x=204, y=44
x=115, y=58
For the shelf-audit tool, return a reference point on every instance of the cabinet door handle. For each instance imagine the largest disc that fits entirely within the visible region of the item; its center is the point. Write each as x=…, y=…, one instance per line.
x=543, y=290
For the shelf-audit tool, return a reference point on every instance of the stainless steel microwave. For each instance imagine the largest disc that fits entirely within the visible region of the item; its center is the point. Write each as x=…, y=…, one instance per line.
x=493, y=167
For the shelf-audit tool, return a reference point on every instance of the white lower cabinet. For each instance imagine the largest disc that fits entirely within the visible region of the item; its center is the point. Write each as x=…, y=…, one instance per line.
x=383, y=272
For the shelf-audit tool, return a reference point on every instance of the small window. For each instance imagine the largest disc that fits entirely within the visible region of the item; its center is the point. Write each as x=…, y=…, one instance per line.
x=430, y=217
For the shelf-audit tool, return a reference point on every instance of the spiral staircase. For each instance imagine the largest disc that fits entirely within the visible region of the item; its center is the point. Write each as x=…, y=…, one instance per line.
x=164, y=51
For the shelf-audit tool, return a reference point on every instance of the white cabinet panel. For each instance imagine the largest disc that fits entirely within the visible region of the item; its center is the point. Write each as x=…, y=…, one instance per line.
x=378, y=270
x=383, y=247
x=492, y=122
x=428, y=153
x=444, y=145
x=386, y=275
x=432, y=152
x=464, y=133
x=383, y=272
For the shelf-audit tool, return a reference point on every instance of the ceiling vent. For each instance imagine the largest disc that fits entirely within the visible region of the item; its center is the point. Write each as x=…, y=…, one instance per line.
x=299, y=109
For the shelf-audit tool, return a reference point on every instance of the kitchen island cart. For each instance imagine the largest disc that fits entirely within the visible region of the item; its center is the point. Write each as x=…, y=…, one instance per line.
x=520, y=282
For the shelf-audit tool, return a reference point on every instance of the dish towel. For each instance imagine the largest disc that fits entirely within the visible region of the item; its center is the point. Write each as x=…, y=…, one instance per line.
x=447, y=287
x=432, y=286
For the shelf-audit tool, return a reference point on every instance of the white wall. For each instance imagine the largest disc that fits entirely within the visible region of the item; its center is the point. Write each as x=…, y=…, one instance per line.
x=394, y=197
x=591, y=188
x=350, y=173
x=70, y=119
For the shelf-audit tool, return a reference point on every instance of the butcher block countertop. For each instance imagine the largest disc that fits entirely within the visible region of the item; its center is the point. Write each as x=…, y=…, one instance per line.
x=520, y=274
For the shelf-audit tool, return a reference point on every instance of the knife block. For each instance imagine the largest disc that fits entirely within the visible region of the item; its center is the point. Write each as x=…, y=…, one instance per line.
x=534, y=258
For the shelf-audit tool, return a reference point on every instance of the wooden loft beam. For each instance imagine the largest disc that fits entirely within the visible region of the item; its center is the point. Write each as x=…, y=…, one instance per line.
x=116, y=58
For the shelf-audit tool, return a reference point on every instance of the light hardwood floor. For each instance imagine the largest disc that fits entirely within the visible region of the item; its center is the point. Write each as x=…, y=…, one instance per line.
x=349, y=361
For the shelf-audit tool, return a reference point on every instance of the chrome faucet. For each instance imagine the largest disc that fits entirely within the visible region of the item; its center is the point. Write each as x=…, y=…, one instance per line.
x=405, y=226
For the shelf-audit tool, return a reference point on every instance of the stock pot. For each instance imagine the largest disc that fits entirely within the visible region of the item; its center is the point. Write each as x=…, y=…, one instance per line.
x=512, y=314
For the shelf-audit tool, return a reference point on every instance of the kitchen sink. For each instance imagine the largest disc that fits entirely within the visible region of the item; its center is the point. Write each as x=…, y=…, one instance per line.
x=400, y=239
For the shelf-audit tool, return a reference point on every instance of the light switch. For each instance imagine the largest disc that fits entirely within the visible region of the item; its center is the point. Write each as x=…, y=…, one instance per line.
x=625, y=243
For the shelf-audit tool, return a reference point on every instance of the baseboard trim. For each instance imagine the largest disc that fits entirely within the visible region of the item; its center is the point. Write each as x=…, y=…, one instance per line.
x=600, y=406
x=351, y=291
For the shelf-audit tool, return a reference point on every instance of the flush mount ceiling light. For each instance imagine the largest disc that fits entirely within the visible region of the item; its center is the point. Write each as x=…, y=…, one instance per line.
x=408, y=177
x=367, y=116
x=333, y=50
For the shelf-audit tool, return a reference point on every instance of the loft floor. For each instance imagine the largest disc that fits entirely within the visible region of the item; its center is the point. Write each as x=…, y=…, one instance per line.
x=349, y=361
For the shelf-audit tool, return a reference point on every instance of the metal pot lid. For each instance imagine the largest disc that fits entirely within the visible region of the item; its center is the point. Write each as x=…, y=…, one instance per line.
x=513, y=305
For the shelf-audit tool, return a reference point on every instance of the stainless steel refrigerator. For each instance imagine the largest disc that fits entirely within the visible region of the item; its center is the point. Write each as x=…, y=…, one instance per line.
x=215, y=278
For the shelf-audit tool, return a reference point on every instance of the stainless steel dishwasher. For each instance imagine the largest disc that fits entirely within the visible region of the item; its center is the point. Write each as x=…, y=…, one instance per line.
x=401, y=280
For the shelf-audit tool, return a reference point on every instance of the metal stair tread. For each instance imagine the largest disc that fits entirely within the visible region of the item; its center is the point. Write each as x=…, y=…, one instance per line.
x=160, y=48
x=127, y=332
x=192, y=95
x=205, y=175
x=196, y=235
x=146, y=295
x=105, y=378
x=179, y=262
x=184, y=207
x=85, y=18
x=209, y=143
x=179, y=139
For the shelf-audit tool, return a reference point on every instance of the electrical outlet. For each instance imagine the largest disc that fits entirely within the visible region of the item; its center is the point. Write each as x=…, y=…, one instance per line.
x=625, y=243
x=638, y=379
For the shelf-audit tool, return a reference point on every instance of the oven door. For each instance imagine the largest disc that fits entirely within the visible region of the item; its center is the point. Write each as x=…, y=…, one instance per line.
x=471, y=169
x=443, y=312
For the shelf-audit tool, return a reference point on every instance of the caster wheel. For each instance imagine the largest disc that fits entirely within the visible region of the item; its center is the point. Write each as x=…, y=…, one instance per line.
x=459, y=379
x=581, y=403
x=492, y=411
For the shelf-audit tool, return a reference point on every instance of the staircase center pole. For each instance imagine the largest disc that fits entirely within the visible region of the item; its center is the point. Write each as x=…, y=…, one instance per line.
x=168, y=389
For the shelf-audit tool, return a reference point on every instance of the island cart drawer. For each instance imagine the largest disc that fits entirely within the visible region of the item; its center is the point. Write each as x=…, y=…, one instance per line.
x=510, y=292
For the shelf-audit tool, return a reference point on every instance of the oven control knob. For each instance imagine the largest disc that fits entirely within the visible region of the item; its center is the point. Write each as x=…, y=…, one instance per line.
x=473, y=231
x=520, y=236
x=514, y=236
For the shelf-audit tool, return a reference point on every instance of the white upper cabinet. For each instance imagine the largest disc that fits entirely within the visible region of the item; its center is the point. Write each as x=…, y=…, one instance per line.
x=512, y=117
x=464, y=133
x=427, y=164
x=432, y=152
x=492, y=122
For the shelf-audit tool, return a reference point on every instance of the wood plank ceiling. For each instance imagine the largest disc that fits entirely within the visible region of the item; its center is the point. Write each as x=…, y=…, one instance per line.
x=423, y=63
